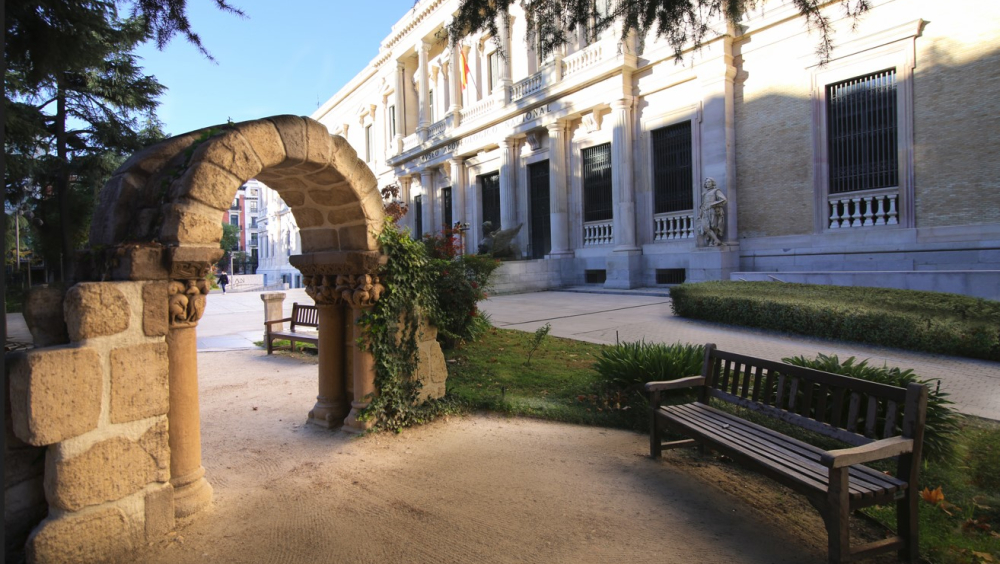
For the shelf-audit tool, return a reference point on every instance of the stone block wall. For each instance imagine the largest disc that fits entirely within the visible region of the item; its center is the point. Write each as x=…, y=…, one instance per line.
x=97, y=408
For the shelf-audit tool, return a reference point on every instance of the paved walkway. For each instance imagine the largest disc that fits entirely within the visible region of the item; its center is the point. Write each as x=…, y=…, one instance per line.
x=234, y=321
x=974, y=385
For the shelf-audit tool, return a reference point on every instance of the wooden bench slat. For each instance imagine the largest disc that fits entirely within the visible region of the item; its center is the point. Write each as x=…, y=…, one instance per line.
x=871, y=417
x=890, y=420
x=769, y=387
x=865, y=386
x=864, y=480
x=800, y=446
x=837, y=414
x=852, y=412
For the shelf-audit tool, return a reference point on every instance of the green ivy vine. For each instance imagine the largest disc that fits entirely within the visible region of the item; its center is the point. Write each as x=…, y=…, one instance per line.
x=391, y=333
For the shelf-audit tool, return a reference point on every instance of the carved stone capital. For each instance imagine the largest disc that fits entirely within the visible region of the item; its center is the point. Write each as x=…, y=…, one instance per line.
x=355, y=290
x=186, y=301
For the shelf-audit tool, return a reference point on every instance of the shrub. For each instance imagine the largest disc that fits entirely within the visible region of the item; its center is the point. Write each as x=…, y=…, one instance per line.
x=924, y=321
x=984, y=464
x=460, y=282
x=633, y=364
x=943, y=421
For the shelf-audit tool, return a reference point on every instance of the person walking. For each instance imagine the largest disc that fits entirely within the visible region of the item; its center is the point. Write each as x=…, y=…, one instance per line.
x=223, y=281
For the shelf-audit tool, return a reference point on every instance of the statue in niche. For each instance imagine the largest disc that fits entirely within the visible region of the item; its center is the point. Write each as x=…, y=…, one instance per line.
x=500, y=243
x=712, y=213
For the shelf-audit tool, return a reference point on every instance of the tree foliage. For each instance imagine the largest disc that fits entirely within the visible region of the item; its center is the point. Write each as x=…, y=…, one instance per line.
x=681, y=23
x=76, y=105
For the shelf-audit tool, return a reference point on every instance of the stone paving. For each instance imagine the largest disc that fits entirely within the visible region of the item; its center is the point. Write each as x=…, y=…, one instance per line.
x=235, y=320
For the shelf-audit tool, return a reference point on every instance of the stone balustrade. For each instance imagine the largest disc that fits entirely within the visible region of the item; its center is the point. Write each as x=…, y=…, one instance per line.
x=526, y=87
x=411, y=142
x=582, y=59
x=598, y=233
x=863, y=209
x=480, y=109
x=436, y=129
x=673, y=226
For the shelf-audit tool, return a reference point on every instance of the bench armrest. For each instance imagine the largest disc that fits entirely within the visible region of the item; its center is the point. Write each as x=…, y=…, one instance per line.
x=273, y=321
x=885, y=448
x=680, y=383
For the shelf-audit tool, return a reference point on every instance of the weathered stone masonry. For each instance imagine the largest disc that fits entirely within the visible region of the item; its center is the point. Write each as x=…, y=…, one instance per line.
x=111, y=391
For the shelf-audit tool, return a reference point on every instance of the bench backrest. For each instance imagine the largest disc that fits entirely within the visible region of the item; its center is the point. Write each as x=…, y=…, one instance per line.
x=304, y=315
x=848, y=409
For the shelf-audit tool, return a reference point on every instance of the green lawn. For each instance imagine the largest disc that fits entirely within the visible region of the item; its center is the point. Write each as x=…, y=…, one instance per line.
x=561, y=384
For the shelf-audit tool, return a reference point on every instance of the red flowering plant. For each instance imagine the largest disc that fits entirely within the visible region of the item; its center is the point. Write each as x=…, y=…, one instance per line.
x=461, y=281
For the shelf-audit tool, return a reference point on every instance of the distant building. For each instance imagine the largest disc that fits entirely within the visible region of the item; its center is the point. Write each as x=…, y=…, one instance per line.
x=277, y=239
x=876, y=168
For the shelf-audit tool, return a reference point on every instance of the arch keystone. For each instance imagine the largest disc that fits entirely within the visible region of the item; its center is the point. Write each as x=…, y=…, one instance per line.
x=230, y=151
x=263, y=137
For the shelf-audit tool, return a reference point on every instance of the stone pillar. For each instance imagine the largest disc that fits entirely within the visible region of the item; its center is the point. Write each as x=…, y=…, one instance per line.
x=274, y=308
x=400, y=106
x=427, y=183
x=455, y=110
x=505, y=81
x=457, y=174
x=622, y=187
x=624, y=263
x=187, y=476
x=423, y=115
x=364, y=377
x=331, y=403
x=718, y=139
x=558, y=195
x=406, y=198
x=508, y=199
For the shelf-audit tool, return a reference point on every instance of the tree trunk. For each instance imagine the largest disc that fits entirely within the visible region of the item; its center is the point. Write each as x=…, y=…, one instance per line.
x=62, y=180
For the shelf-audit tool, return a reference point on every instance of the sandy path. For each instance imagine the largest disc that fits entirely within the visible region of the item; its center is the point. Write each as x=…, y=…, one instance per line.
x=470, y=489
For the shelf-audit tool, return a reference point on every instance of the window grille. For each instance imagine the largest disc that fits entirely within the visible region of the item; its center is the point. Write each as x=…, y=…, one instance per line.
x=490, y=185
x=446, y=204
x=418, y=216
x=595, y=276
x=861, y=120
x=670, y=275
x=597, y=205
x=541, y=221
x=672, y=183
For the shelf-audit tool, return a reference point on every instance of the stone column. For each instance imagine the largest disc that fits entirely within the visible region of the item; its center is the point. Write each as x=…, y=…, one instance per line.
x=505, y=81
x=455, y=110
x=400, y=101
x=331, y=402
x=457, y=174
x=718, y=139
x=187, y=476
x=558, y=195
x=624, y=263
x=361, y=292
x=427, y=183
x=622, y=187
x=423, y=115
x=508, y=199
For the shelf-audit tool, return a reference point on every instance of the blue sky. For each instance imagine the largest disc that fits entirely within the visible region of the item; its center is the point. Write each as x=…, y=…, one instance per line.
x=286, y=57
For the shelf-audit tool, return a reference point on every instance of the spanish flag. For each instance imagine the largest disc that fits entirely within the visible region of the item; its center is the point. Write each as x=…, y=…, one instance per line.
x=465, y=69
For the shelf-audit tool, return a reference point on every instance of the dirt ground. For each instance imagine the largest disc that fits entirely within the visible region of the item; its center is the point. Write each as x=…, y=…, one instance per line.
x=479, y=488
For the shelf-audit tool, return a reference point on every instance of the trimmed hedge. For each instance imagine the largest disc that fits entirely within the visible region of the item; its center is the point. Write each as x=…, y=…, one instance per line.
x=907, y=319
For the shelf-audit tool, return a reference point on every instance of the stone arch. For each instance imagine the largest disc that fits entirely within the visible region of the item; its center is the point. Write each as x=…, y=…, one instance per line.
x=112, y=394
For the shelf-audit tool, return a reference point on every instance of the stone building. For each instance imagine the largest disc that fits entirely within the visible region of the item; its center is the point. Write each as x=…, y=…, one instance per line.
x=875, y=168
x=278, y=239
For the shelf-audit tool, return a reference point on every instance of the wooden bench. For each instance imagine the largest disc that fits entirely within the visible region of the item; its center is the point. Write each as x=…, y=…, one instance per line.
x=302, y=316
x=877, y=421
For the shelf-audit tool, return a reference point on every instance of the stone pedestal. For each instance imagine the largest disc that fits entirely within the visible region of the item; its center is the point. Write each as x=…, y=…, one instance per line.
x=713, y=263
x=624, y=269
x=331, y=403
x=274, y=308
x=191, y=491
